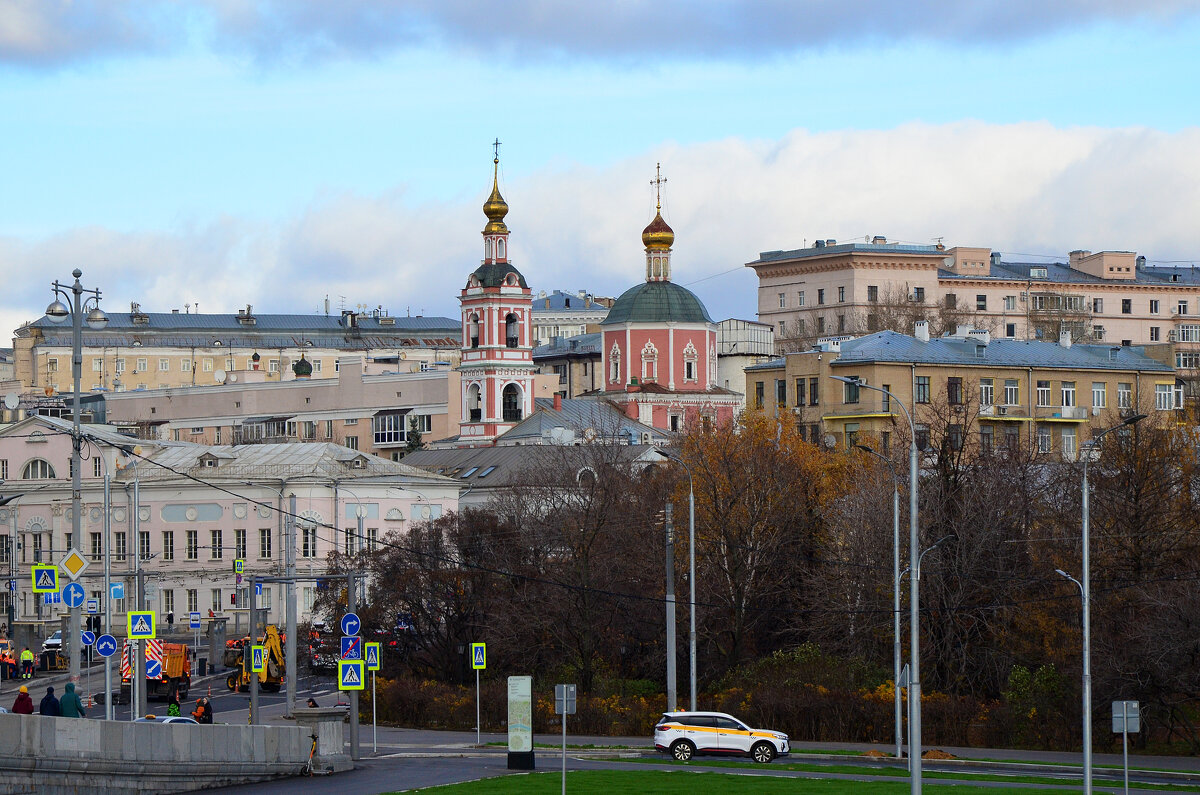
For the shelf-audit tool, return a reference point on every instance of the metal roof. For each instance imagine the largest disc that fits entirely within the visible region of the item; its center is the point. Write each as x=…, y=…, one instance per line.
x=487, y=467
x=580, y=344
x=559, y=301
x=580, y=415
x=843, y=248
x=657, y=302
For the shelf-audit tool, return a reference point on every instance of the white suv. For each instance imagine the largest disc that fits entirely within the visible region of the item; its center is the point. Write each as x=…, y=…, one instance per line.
x=686, y=733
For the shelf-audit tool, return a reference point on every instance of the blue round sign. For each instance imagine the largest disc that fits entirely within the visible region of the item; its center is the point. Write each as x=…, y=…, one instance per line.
x=106, y=645
x=74, y=595
x=88, y=638
x=350, y=624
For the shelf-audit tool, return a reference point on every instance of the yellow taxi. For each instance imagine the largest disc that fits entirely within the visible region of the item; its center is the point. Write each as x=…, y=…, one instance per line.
x=684, y=734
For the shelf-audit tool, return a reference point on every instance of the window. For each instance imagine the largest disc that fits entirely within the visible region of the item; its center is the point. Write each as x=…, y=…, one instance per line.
x=1098, y=306
x=119, y=366
x=821, y=325
x=1045, y=440
x=1010, y=330
x=921, y=390
x=851, y=434
x=801, y=327
x=872, y=293
x=37, y=469
x=850, y=392
x=118, y=547
x=885, y=398
x=1043, y=393
x=799, y=391
x=841, y=323
x=986, y=392
x=841, y=295
x=1188, y=333
x=193, y=544
x=1010, y=303
x=168, y=595
x=922, y=439
x=1068, y=443
x=214, y=550
x=689, y=369
x=308, y=545
x=986, y=438
x=215, y=604
x=193, y=600
x=3, y=469
x=1068, y=394
x=1181, y=307
x=143, y=364
x=814, y=384
x=919, y=294
x=1097, y=332
x=1154, y=306
x=97, y=365
x=821, y=297
x=1126, y=306
x=954, y=391
x=950, y=300
x=474, y=331
x=97, y=547
x=614, y=364
x=164, y=365
x=372, y=539
x=144, y=545
x=981, y=302
x=872, y=321
x=185, y=365
x=1154, y=334
x=954, y=437
x=1164, y=397
x=1124, y=396
x=97, y=464
x=783, y=300
x=780, y=392
x=239, y=543
x=168, y=542
x=264, y=543
x=388, y=428
x=1187, y=360
x=351, y=442
x=207, y=364
x=272, y=366
x=1099, y=398
x=328, y=429
x=759, y=394
x=511, y=326
x=351, y=532
x=1012, y=437
x=800, y=298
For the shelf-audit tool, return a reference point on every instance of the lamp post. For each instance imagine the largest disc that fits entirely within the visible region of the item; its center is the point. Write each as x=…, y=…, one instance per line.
x=1086, y=452
x=57, y=312
x=691, y=577
x=896, y=652
x=914, y=688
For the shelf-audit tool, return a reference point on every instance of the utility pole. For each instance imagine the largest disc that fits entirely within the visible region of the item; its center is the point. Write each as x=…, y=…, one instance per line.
x=672, y=685
x=108, y=690
x=289, y=558
x=248, y=653
x=139, y=673
x=351, y=607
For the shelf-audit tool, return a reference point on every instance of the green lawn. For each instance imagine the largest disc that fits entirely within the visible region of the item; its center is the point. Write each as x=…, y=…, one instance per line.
x=620, y=782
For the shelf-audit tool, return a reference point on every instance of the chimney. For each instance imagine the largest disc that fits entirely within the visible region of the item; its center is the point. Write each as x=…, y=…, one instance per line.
x=962, y=330
x=921, y=330
x=557, y=402
x=1064, y=338
x=995, y=257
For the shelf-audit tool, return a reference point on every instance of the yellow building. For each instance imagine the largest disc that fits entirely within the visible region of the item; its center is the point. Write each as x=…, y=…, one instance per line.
x=966, y=391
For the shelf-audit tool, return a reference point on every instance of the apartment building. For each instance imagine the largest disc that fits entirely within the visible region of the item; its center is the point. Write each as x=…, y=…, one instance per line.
x=968, y=388
x=567, y=314
x=854, y=288
x=575, y=361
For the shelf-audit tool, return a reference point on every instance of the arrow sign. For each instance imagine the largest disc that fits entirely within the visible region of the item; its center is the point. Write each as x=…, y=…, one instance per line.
x=12, y=585
x=88, y=638
x=351, y=675
x=116, y=590
x=350, y=624
x=258, y=589
x=74, y=595
x=106, y=645
x=153, y=668
x=352, y=648
x=372, y=656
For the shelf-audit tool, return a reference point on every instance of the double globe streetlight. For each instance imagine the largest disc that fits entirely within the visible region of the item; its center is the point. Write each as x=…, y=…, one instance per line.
x=58, y=312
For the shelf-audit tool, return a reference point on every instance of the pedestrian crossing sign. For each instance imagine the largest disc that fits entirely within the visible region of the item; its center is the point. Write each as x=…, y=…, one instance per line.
x=258, y=660
x=372, y=656
x=141, y=624
x=351, y=675
x=45, y=579
x=478, y=656
x=239, y=566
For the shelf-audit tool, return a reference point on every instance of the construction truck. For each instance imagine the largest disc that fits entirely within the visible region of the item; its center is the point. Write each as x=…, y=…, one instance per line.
x=271, y=678
x=168, y=670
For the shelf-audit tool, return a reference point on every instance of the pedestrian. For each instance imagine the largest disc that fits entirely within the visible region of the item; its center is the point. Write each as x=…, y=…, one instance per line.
x=27, y=664
x=207, y=715
x=49, y=705
x=69, y=706
x=24, y=704
x=198, y=712
x=173, y=707
x=171, y=619
x=312, y=702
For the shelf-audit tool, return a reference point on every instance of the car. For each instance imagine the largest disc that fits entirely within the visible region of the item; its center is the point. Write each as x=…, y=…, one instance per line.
x=54, y=642
x=181, y=719
x=685, y=734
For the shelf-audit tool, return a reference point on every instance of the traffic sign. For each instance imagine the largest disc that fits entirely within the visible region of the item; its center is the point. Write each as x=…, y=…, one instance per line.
x=258, y=659
x=12, y=585
x=478, y=656
x=52, y=598
x=372, y=656
x=564, y=699
x=258, y=589
x=74, y=595
x=45, y=579
x=350, y=623
x=351, y=675
x=73, y=564
x=194, y=619
x=1126, y=717
x=116, y=590
x=92, y=606
x=106, y=645
x=239, y=566
x=352, y=648
x=153, y=668
x=141, y=624
x=87, y=638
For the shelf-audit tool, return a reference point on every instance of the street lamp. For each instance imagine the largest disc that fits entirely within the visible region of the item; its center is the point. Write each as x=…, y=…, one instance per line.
x=896, y=652
x=691, y=575
x=1086, y=451
x=57, y=312
x=914, y=551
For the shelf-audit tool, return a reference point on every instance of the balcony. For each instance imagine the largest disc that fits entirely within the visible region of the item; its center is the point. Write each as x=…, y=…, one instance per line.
x=476, y=415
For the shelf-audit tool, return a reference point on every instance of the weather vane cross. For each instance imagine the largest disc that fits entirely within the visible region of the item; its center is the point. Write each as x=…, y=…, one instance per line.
x=496, y=150
x=658, y=181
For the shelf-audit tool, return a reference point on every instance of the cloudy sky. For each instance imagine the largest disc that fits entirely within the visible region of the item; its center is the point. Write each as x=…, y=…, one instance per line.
x=274, y=152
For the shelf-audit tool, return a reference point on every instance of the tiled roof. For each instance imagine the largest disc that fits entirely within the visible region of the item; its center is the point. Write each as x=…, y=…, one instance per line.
x=890, y=346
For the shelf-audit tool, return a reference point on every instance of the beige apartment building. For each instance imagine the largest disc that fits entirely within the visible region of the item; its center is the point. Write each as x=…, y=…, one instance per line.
x=164, y=350
x=370, y=413
x=968, y=390
x=853, y=288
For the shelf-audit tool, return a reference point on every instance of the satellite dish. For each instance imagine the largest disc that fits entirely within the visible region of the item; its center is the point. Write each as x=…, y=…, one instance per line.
x=220, y=376
x=12, y=400
x=830, y=440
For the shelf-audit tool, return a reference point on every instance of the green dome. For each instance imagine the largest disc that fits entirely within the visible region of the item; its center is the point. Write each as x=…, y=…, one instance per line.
x=493, y=274
x=657, y=302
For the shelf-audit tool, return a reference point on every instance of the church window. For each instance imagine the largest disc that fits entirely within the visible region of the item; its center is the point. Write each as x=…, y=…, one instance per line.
x=474, y=331
x=474, y=406
x=510, y=330
x=500, y=248
x=614, y=359
x=487, y=248
x=690, y=356
x=511, y=401
x=649, y=362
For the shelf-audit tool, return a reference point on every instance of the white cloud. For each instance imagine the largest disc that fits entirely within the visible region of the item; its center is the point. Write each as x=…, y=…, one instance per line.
x=1019, y=189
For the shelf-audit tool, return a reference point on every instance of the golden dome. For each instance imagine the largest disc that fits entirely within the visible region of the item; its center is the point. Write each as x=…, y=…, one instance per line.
x=658, y=235
x=495, y=208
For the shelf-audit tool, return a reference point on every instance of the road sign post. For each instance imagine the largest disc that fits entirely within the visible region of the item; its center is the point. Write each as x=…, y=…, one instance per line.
x=351, y=625
x=1126, y=719
x=372, y=661
x=479, y=663
x=564, y=704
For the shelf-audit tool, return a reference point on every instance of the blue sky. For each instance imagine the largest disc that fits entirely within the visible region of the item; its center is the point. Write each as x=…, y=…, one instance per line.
x=230, y=152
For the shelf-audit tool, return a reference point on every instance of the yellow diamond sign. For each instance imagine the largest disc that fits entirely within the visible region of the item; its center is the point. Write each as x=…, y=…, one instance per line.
x=73, y=564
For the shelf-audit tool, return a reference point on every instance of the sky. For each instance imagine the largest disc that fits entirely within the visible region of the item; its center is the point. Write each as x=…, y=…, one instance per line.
x=216, y=153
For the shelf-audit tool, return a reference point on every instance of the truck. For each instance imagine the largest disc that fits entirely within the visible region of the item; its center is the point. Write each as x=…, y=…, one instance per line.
x=272, y=678
x=175, y=671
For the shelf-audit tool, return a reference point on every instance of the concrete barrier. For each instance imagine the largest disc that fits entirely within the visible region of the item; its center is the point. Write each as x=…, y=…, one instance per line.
x=83, y=756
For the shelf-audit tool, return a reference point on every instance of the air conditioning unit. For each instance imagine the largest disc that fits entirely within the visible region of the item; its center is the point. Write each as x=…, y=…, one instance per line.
x=646, y=438
x=1024, y=297
x=1001, y=411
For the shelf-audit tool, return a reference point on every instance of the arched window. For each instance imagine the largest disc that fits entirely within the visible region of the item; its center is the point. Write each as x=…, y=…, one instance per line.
x=511, y=400
x=511, y=327
x=614, y=364
x=649, y=362
x=38, y=469
x=474, y=331
x=690, y=357
x=474, y=405
x=500, y=248
x=487, y=248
